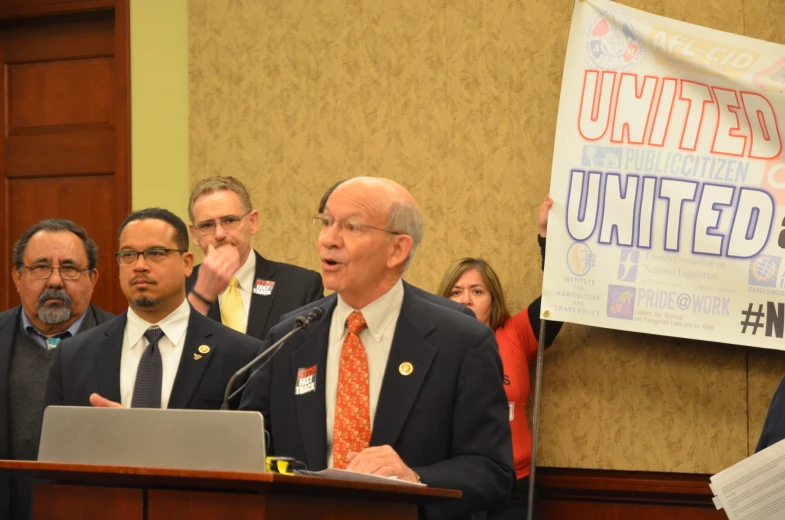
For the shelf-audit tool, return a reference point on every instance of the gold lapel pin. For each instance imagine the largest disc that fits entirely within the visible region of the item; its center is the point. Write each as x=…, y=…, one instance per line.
x=197, y=357
x=204, y=349
x=405, y=368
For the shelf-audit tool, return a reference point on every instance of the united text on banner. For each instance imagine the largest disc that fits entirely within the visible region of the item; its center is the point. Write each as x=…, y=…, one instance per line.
x=668, y=180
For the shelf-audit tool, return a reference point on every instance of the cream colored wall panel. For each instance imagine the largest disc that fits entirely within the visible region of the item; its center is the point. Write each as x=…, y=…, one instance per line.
x=766, y=368
x=763, y=19
x=624, y=401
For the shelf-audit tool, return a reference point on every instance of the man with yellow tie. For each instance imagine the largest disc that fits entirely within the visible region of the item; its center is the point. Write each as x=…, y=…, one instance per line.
x=243, y=291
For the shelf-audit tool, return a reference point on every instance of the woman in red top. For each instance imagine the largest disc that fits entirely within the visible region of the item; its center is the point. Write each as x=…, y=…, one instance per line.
x=472, y=282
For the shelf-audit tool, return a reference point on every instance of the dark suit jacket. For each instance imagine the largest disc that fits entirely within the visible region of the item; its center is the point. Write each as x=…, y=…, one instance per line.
x=448, y=420
x=294, y=287
x=774, y=426
x=9, y=321
x=90, y=362
x=439, y=300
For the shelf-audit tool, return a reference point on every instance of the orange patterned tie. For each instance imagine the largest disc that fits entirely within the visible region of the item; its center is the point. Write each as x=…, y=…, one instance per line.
x=352, y=422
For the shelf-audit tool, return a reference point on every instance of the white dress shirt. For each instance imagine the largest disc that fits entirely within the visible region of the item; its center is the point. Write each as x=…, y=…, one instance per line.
x=381, y=316
x=170, y=345
x=245, y=277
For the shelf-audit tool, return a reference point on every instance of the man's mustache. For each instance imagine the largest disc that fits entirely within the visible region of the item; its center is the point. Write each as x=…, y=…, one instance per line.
x=54, y=294
x=142, y=278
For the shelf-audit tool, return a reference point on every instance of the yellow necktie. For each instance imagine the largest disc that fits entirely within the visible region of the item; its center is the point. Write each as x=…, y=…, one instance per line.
x=232, y=307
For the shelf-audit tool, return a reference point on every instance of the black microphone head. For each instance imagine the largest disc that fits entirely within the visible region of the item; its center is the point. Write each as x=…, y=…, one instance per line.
x=315, y=314
x=300, y=321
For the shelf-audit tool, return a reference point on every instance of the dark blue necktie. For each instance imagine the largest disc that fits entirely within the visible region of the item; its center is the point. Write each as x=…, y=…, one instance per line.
x=149, y=375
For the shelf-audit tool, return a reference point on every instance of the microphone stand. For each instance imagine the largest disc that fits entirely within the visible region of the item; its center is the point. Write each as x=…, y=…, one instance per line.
x=301, y=322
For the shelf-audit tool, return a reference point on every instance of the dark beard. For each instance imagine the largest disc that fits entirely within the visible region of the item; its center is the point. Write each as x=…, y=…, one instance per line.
x=144, y=302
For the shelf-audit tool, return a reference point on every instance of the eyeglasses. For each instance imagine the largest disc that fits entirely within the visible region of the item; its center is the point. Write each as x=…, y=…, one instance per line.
x=43, y=271
x=353, y=226
x=228, y=222
x=153, y=255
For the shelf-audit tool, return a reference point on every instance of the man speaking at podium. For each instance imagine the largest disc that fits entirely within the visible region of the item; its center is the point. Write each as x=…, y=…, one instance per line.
x=386, y=382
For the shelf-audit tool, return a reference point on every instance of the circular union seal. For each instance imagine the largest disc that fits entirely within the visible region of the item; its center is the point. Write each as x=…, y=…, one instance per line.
x=611, y=41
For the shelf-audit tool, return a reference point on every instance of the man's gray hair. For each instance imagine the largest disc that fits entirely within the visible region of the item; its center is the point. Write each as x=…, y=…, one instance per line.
x=55, y=225
x=219, y=183
x=406, y=218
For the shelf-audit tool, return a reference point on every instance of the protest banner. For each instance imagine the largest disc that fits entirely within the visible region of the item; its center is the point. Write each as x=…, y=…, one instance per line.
x=668, y=180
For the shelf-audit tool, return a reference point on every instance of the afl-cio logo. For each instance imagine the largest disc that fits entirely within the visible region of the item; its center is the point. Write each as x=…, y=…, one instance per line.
x=612, y=42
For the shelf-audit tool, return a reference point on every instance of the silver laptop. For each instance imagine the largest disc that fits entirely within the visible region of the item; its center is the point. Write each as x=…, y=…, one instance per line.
x=181, y=439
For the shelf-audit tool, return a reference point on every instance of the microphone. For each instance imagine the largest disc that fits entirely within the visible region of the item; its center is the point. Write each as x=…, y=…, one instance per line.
x=315, y=314
x=300, y=322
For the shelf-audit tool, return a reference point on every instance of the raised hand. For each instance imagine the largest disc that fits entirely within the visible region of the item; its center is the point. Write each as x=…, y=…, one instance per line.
x=542, y=216
x=216, y=271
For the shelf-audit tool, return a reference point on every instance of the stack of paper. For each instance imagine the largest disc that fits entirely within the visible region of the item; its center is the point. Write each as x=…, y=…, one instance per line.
x=753, y=489
x=342, y=474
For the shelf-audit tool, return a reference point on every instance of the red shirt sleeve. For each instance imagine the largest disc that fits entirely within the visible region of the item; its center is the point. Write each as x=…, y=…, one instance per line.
x=522, y=327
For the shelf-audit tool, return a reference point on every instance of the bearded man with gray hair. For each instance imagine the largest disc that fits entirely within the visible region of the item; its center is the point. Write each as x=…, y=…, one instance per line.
x=54, y=273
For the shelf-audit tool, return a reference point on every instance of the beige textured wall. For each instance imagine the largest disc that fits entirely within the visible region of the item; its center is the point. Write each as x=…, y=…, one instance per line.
x=457, y=101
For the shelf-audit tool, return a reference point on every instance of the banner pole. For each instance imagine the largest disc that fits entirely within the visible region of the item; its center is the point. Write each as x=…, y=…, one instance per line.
x=537, y=400
x=536, y=418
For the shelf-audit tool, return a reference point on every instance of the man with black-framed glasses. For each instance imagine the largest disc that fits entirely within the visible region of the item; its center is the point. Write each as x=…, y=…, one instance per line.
x=54, y=274
x=161, y=353
x=235, y=284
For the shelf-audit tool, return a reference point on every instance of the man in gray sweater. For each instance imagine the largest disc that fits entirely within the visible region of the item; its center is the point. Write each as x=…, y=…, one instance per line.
x=54, y=273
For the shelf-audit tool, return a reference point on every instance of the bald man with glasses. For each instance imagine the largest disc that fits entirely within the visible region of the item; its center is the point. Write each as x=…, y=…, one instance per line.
x=235, y=284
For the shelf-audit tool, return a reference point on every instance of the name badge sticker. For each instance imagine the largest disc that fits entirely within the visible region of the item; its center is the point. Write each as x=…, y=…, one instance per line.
x=263, y=287
x=306, y=380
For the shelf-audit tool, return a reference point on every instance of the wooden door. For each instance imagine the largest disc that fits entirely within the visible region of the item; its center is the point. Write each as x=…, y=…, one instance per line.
x=64, y=148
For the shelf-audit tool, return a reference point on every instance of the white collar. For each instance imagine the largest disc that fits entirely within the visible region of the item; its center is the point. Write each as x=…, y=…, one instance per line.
x=379, y=315
x=245, y=274
x=174, y=325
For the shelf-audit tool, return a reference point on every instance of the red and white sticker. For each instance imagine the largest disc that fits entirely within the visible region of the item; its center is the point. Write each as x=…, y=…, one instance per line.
x=306, y=380
x=263, y=287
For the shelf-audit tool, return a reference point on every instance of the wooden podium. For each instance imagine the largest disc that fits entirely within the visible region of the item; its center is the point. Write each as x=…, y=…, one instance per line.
x=75, y=491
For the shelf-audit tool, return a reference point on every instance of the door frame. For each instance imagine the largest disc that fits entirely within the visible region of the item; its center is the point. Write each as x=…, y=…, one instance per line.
x=49, y=9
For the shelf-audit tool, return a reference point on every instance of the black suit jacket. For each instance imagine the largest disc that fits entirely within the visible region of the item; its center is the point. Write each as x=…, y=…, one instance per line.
x=90, y=362
x=774, y=426
x=294, y=287
x=448, y=420
x=439, y=300
x=9, y=322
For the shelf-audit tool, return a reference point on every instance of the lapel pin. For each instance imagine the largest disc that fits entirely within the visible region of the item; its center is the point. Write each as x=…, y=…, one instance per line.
x=405, y=368
x=197, y=357
x=204, y=349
